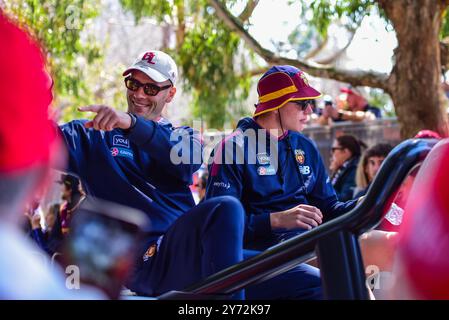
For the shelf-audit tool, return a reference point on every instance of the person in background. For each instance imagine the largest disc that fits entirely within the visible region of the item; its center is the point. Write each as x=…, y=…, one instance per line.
x=48, y=239
x=357, y=106
x=368, y=166
x=72, y=196
x=346, y=150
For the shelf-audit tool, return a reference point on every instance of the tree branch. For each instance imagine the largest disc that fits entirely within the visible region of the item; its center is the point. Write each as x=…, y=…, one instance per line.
x=335, y=56
x=318, y=49
x=248, y=11
x=356, y=78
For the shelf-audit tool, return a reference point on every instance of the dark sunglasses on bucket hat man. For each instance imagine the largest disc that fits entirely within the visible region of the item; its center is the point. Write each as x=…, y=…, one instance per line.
x=281, y=84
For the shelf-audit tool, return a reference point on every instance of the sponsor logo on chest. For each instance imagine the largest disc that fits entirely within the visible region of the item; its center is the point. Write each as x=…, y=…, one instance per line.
x=122, y=152
x=121, y=147
x=263, y=158
x=266, y=171
x=118, y=140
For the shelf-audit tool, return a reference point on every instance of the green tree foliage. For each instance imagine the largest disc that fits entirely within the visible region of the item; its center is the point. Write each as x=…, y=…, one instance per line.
x=324, y=12
x=209, y=56
x=158, y=9
x=58, y=26
x=209, y=61
x=444, y=32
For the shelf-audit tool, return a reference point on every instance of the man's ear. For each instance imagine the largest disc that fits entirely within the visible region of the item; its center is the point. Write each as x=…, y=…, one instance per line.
x=170, y=95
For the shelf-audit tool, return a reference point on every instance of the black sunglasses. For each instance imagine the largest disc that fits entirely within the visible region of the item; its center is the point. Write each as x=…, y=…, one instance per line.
x=149, y=88
x=303, y=104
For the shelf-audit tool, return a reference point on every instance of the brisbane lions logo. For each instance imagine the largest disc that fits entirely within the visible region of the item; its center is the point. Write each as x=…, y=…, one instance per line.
x=300, y=156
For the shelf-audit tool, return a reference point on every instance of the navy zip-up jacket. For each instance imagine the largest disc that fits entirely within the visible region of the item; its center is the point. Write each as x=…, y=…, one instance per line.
x=243, y=169
x=135, y=167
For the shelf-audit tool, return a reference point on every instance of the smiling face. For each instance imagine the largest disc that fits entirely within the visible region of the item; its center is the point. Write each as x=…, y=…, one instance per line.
x=293, y=117
x=149, y=107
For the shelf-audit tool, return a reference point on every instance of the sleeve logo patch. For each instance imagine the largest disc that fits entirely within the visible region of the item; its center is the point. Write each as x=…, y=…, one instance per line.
x=300, y=156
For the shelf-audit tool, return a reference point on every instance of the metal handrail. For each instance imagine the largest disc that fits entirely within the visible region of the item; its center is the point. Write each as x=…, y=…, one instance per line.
x=286, y=255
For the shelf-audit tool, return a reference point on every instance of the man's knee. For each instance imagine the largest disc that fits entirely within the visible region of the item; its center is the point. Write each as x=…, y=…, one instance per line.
x=227, y=212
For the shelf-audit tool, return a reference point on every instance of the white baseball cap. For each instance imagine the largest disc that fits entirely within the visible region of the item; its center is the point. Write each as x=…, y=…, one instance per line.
x=158, y=65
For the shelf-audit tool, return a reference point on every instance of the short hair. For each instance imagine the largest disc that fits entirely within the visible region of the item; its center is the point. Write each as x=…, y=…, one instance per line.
x=351, y=143
x=378, y=150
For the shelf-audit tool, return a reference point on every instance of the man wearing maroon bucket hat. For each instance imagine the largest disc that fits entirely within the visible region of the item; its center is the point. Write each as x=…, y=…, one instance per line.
x=279, y=176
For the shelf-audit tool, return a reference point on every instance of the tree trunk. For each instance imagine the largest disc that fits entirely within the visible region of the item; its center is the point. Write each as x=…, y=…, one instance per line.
x=415, y=81
x=181, y=30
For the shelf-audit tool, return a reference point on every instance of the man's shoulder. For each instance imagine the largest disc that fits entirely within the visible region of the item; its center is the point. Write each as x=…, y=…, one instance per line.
x=167, y=125
x=235, y=138
x=302, y=139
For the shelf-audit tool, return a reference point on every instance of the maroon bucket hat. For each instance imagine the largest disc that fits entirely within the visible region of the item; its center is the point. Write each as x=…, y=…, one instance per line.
x=281, y=84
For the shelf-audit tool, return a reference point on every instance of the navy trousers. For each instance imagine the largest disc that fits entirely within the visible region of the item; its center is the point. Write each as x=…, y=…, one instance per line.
x=207, y=239
x=203, y=241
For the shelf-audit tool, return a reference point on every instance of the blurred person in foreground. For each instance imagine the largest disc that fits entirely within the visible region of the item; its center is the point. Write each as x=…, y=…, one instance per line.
x=384, y=247
x=25, y=95
x=421, y=268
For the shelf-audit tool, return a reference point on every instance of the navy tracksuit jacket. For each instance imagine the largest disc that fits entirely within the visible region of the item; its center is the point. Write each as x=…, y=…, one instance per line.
x=247, y=167
x=252, y=177
x=150, y=168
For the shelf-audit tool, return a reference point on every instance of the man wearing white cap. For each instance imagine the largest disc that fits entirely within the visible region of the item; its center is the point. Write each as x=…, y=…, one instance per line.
x=137, y=158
